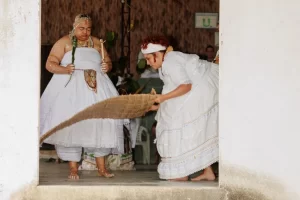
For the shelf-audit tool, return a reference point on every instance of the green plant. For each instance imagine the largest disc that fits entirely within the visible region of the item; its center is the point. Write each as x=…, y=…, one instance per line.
x=74, y=46
x=111, y=38
x=141, y=65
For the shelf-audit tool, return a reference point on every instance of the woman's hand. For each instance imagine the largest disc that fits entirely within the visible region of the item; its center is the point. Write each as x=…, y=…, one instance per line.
x=154, y=108
x=160, y=99
x=104, y=67
x=70, y=69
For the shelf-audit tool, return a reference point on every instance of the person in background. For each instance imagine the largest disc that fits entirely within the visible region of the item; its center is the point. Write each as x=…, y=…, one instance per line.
x=210, y=53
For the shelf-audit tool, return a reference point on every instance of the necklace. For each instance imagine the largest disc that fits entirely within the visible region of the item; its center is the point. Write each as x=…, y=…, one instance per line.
x=87, y=43
x=82, y=43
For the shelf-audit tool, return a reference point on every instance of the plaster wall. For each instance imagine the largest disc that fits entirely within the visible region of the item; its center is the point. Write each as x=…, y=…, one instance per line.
x=259, y=98
x=19, y=96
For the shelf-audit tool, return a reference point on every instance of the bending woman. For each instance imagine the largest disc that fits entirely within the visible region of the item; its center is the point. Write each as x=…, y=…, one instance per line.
x=187, y=117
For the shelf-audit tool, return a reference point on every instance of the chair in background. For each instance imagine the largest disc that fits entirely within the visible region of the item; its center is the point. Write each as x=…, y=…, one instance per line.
x=143, y=139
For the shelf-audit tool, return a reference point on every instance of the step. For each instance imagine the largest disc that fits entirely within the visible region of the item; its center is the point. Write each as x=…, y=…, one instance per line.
x=140, y=184
x=170, y=191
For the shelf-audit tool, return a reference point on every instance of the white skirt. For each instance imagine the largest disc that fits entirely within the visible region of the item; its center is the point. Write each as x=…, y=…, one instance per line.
x=59, y=103
x=187, y=127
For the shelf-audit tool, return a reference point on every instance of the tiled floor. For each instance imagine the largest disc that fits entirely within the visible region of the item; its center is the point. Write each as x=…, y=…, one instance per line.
x=52, y=173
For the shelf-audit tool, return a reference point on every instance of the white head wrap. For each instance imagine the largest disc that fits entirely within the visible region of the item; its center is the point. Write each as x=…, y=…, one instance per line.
x=151, y=48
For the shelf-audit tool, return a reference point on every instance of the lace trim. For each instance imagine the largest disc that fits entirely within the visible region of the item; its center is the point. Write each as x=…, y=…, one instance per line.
x=201, y=160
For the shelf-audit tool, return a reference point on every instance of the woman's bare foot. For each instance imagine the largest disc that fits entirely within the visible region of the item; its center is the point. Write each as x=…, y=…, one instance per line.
x=179, y=179
x=208, y=175
x=73, y=175
x=73, y=171
x=101, y=168
x=105, y=173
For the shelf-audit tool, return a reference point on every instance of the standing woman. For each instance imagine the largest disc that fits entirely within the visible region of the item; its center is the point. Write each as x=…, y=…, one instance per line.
x=187, y=117
x=74, y=87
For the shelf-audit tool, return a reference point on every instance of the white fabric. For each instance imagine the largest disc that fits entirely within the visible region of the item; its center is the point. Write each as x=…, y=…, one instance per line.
x=187, y=126
x=59, y=103
x=74, y=153
x=120, y=80
x=151, y=48
x=69, y=153
x=98, y=152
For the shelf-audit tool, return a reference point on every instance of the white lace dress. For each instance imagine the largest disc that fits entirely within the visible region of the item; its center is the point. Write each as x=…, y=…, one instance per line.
x=59, y=103
x=187, y=128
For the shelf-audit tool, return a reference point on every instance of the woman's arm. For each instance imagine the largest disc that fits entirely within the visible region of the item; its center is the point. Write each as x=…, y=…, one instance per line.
x=179, y=91
x=54, y=58
x=107, y=59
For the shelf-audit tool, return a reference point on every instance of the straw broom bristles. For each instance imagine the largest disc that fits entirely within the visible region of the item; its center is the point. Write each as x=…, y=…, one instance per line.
x=121, y=107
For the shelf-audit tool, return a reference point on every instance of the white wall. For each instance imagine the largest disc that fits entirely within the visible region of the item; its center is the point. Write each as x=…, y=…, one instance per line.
x=260, y=94
x=19, y=95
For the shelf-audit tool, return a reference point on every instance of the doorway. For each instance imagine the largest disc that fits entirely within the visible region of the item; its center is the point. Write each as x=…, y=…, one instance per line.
x=103, y=13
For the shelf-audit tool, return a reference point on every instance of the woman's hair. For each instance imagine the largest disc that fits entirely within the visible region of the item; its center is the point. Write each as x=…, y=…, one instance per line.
x=81, y=17
x=155, y=40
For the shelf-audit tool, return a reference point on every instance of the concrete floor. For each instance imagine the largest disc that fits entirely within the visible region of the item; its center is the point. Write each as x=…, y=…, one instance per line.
x=126, y=185
x=52, y=173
